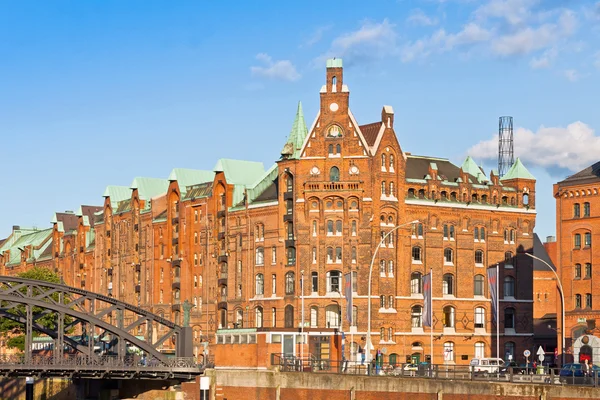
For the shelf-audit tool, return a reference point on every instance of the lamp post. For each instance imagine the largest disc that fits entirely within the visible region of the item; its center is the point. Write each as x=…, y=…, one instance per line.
x=562, y=305
x=369, y=344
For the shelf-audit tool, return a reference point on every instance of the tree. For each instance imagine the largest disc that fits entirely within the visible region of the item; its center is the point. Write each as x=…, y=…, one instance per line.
x=14, y=331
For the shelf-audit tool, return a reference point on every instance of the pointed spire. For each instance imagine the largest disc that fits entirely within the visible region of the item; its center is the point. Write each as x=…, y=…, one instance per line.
x=470, y=167
x=517, y=171
x=297, y=135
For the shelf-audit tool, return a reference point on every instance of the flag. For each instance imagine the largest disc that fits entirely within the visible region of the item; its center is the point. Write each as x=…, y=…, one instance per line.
x=492, y=274
x=427, y=300
x=348, y=295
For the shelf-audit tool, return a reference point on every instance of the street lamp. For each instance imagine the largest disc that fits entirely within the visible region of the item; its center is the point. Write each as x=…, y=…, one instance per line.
x=562, y=305
x=369, y=344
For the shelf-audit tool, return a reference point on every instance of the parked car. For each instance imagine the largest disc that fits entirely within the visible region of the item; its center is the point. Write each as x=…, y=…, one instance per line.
x=486, y=366
x=573, y=373
x=411, y=367
x=523, y=369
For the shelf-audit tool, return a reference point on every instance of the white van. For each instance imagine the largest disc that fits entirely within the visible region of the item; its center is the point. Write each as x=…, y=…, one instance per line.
x=486, y=366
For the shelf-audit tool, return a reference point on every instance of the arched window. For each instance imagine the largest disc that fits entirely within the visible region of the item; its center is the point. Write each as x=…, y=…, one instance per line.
x=577, y=301
x=449, y=351
x=509, y=286
x=289, y=316
x=391, y=163
x=420, y=230
x=509, y=318
x=353, y=227
x=478, y=256
x=332, y=316
x=260, y=284
x=383, y=163
x=479, y=350
x=587, y=239
x=577, y=240
x=448, y=256
x=448, y=284
x=479, y=317
x=391, y=301
x=260, y=256
x=382, y=267
x=330, y=254
x=289, y=283
x=577, y=271
x=525, y=199
x=334, y=279
x=258, y=317
x=289, y=184
x=329, y=227
x=314, y=317
x=482, y=233
x=588, y=300
x=392, y=192
x=586, y=209
x=416, y=316
x=383, y=188
x=314, y=282
x=416, y=253
x=330, y=148
x=338, y=255
x=338, y=148
x=382, y=299
x=334, y=84
x=508, y=259
x=273, y=316
x=393, y=358
x=416, y=283
x=390, y=267
x=338, y=227
x=512, y=235
x=334, y=174
x=588, y=270
x=478, y=285
x=448, y=317
x=476, y=234
x=451, y=232
x=314, y=228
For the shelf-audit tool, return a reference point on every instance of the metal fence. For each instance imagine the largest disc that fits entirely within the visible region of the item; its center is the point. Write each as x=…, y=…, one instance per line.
x=540, y=375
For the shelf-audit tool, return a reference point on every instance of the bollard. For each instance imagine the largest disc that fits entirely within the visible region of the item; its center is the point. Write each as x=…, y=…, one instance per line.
x=29, y=388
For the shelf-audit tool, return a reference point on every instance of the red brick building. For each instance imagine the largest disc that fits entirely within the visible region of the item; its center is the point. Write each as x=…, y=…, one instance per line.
x=248, y=246
x=577, y=223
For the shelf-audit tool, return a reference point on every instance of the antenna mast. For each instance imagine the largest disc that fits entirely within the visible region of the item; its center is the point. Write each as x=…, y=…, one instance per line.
x=506, y=156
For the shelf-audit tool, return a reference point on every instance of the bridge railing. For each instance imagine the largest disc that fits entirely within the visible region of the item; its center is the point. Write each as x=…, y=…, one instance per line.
x=107, y=361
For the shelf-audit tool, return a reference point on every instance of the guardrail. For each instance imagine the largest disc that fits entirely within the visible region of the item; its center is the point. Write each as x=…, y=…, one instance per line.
x=540, y=375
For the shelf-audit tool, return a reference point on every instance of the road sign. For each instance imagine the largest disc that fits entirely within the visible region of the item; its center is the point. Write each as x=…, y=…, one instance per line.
x=526, y=353
x=541, y=357
x=540, y=351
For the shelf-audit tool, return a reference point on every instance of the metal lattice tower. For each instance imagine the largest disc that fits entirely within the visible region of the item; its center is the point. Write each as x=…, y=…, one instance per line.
x=506, y=156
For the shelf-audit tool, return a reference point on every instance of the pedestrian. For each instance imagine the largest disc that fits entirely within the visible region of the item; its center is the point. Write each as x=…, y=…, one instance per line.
x=586, y=370
x=361, y=351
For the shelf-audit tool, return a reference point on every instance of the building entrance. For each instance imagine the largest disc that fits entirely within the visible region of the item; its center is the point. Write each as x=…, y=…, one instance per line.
x=586, y=353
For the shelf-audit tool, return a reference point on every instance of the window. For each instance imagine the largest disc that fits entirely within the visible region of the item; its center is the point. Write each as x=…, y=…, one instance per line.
x=451, y=232
x=195, y=259
x=195, y=215
x=577, y=271
x=577, y=301
x=416, y=316
x=448, y=317
x=332, y=316
x=506, y=236
x=291, y=256
x=274, y=316
x=382, y=301
x=259, y=317
x=416, y=253
x=509, y=318
x=353, y=225
x=416, y=283
x=588, y=239
x=448, y=256
x=509, y=286
x=314, y=255
x=289, y=316
x=273, y=255
x=588, y=270
x=260, y=284
x=392, y=189
x=478, y=287
x=448, y=284
x=512, y=235
x=290, y=283
x=314, y=316
x=334, y=174
x=588, y=300
x=383, y=188
x=576, y=210
x=330, y=254
x=509, y=349
x=338, y=227
x=333, y=281
x=329, y=228
x=577, y=240
x=383, y=163
x=482, y=234
x=479, y=317
x=338, y=148
x=382, y=267
x=260, y=256
x=449, y=351
x=195, y=237
x=314, y=280
x=420, y=230
x=508, y=259
x=476, y=234
x=338, y=255
x=390, y=268
x=479, y=350
x=314, y=228
x=586, y=209
x=390, y=301
x=273, y=284
x=478, y=256
x=353, y=254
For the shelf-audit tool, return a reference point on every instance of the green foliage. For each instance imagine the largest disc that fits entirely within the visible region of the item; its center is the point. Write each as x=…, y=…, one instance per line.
x=13, y=330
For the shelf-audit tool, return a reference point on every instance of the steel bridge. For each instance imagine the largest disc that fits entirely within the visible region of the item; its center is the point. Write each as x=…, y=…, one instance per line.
x=108, y=333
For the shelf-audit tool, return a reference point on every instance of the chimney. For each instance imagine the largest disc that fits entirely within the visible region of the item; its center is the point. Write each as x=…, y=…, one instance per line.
x=550, y=239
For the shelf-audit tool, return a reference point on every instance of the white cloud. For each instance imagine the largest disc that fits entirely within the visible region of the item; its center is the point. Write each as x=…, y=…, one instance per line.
x=572, y=75
x=316, y=36
x=545, y=59
x=513, y=11
x=574, y=147
x=282, y=69
x=370, y=42
x=418, y=17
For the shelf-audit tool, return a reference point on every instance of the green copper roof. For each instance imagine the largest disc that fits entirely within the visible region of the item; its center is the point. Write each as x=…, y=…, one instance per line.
x=263, y=183
x=189, y=177
x=334, y=63
x=149, y=187
x=117, y=194
x=38, y=239
x=238, y=172
x=297, y=135
x=517, y=171
x=471, y=167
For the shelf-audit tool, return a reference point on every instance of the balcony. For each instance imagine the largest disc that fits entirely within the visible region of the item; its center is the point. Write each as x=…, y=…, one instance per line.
x=176, y=262
x=222, y=305
x=109, y=271
x=290, y=243
x=176, y=307
x=288, y=196
x=138, y=268
x=331, y=186
x=223, y=279
x=222, y=258
x=137, y=288
x=221, y=214
x=221, y=235
x=288, y=217
x=176, y=285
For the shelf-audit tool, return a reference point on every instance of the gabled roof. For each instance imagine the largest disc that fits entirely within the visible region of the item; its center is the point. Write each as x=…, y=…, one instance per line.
x=589, y=174
x=87, y=212
x=189, y=177
x=517, y=171
x=470, y=167
x=370, y=132
x=417, y=167
x=149, y=187
x=293, y=146
x=116, y=194
x=66, y=221
x=239, y=172
x=540, y=251
x=265, y=188
x=38, y=239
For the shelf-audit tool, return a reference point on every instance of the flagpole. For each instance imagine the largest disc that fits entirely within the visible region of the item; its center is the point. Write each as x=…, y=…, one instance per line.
x=431, y=315
x=497, y=315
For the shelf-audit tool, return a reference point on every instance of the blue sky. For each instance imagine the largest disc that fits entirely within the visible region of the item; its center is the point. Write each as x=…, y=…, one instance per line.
x=94, y=93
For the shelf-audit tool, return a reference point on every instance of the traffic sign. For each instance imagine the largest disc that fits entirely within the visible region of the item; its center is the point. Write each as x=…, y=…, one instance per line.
x=526, y=353
x=540, y=351
x=541, y=357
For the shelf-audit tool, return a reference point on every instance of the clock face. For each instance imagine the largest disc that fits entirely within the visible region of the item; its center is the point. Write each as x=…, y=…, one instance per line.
x=333, y=107
x=354, y=169
x=315, y=171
